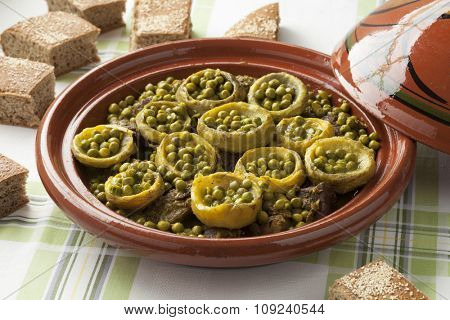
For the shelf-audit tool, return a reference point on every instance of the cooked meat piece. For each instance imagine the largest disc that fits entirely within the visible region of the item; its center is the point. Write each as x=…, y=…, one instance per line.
x=319, y=199
x=173, y=207
x=276, y=223
x=218, y=233
x=246, y=82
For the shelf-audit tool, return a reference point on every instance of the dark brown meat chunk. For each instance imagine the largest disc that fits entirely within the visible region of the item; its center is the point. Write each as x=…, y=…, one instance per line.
x=320, y=199
x=173, y=207
x=246, y=82
x=276, y=223
x=219, y=233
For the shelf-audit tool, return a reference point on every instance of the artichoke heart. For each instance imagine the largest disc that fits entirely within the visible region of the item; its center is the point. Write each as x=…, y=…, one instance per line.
x=341, y=162
x=236, y=127
x=299, y=133
x=135, y=186
x=103, y=146
x=282, y=94
x=225, y=200
x=278, y=167
x=185, y=154
x=207, y=89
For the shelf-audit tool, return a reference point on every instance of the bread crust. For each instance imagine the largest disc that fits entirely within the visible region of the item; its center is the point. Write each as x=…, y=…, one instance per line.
x=374, y=281
x=261, y=23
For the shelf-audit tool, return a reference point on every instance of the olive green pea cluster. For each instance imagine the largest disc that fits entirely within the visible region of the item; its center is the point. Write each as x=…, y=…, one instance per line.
x=97, y=188
x=123, y=112
x=288, y=201
x=299, y=130
x=275, y=166
x=102, y=144
x=165, y=118
x=187, y=156
x=354, y=129
x=117, y=210
x=177, y=227
x=319, y=103
x=212, y=85
x=274, y=95
x=233, y=121
x=338, y=161
x=163, y=91
x=133, y=178
x=237, y=192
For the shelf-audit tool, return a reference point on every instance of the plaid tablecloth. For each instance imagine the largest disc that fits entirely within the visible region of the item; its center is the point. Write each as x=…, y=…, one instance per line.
x=43, y=255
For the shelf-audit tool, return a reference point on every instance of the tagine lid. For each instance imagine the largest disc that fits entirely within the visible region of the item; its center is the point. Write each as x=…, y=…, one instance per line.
x=396, y=64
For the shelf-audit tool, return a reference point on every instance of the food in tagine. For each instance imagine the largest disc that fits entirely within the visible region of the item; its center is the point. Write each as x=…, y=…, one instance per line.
x=103, y=146
x=236, y=127
x=214, y=168
x=299, y=133
x=207, y=89
x=282, y=94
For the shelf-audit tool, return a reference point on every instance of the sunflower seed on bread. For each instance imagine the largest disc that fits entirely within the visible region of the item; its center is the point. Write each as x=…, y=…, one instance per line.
x=105, y=14
x=26, y=90
x=374, y=281
x=261, y=23
x=155, y=21
x=60, y=39
x=12, y=186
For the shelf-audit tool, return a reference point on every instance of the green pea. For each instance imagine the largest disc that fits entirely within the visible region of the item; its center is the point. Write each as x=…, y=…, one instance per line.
x=345, y=128
x=197, y=230
x=300, y=224
x=104, y=152
x=262, y=217
x=319, y=151
x=181, y=185
x=191, y=87
x=127, y=190
x=177, y=227
x=297, y=217
x=123, y=104
x=218, y=194
x=247, y=183
x=350, y=135
x=271, y=93
x=373, y=136
x=149, y=224
x=351, y=165
x=163, y=225
x=274, y=83
x=374, y=145
x=114, y=108
x=228, y=86
x=92, y=153
x=247, y=197
x=296, y=202
x=273, y=164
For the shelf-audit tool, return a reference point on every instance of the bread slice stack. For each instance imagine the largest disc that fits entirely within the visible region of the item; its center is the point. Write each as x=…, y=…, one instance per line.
x=60, y=39
x=155, y=21
x=104, y=14
x=374, y=281
x=262, y=23
x=12, y=186
x=26, y=90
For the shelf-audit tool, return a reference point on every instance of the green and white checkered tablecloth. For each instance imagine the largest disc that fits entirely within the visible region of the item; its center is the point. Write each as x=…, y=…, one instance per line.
x=43, y=255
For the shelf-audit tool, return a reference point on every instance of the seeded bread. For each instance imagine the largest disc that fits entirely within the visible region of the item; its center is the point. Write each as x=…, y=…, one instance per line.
x=156, y=21
x=12, y=186
x=374, y=281
x=61, y=39
x=105, y=14
x=261, y=23
x=26, y=90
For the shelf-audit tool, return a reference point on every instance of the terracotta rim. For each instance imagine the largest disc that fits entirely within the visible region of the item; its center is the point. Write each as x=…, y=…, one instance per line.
x=59, y=174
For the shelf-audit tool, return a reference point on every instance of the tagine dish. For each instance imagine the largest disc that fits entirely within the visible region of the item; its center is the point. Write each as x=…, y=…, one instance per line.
x=220, y=155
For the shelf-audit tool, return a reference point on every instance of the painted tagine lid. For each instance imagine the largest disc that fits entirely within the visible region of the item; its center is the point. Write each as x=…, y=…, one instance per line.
x=396, y=63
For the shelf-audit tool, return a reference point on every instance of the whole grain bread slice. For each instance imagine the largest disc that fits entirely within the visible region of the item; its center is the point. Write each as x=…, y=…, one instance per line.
x=61, y=39
x=13, y=178
x=26, y=90
x=261, y=23
x=156, y=21
x=374, y=281
x=105, y=14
